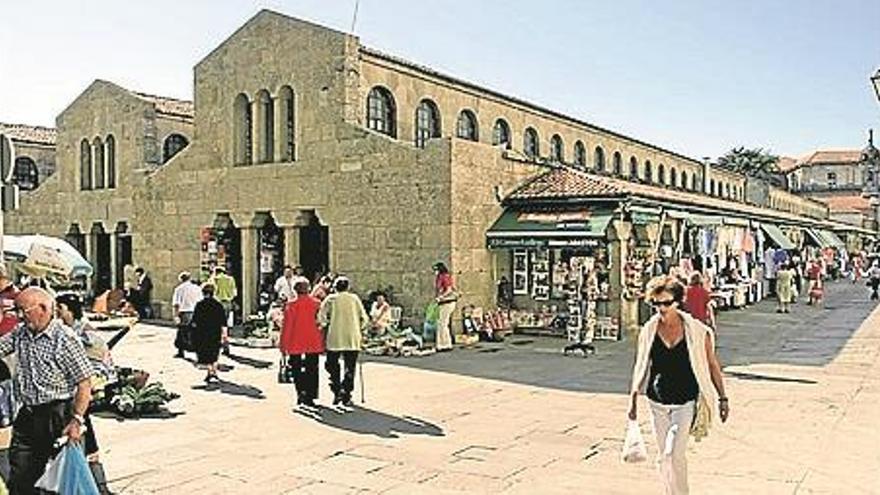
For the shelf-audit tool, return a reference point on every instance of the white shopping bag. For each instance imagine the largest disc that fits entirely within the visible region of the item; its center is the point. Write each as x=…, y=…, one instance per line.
x=633, y=444
x=51, y=479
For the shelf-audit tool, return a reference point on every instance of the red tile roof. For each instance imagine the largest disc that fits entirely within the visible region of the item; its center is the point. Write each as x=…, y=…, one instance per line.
x=832, y=156
x=846, y=203
x=571, y=184
x=169, y=106
x=29, y=133
x=787, y=163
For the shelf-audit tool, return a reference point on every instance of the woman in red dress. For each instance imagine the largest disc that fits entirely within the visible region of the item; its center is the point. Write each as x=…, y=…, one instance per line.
x=302, y=342
x=698, y=301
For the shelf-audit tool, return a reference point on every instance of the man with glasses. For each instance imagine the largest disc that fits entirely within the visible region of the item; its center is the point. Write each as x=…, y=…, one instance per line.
x=53, y=385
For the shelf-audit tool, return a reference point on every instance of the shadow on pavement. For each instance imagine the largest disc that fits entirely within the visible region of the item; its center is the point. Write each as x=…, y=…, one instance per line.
x=253, y=363
x=230, y=388
x=370, y=422
x=767, y=378
x=808, y=336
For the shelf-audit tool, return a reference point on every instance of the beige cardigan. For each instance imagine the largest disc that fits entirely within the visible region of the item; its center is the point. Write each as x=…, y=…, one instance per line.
x=696, y=334
x=345, y=318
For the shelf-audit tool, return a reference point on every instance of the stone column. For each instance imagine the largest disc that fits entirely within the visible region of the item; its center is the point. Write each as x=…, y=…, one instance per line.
x=627, y=310
x=113, y=267
x=256, y=130
x=90, y=257
x=291, y=245
x=249, y=269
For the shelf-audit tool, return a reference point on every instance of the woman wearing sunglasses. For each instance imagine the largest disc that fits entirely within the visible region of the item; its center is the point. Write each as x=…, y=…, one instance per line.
x=677, y=368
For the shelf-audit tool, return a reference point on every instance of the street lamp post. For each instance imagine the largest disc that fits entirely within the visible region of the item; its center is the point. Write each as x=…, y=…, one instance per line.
x=871, y=160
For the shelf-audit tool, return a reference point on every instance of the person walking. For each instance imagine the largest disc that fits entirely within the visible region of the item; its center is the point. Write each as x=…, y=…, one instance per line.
x=698, y=301
x=445, y=295
x=69, y=308
x=322, y=287
x=342, y=314
x=677, y=366
x=186, y=295
x=814, y=275
x=209, y=320
x=225, y=290
x=302, y=342
x=53, y=385
x=874, y=280
x=784, y=287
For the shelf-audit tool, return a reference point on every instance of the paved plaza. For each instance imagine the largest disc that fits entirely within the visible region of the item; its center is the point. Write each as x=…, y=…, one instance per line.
x=517, y=417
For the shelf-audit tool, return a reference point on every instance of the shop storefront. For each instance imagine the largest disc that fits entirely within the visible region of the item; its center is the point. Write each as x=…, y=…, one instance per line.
x=221, y=246
x=558, y=265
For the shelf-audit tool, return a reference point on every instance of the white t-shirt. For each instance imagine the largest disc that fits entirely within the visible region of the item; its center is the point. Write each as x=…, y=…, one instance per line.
x=284, y=288
x=185, y=297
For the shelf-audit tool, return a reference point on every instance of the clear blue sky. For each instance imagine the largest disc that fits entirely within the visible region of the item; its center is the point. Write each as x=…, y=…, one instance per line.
x=698, y=77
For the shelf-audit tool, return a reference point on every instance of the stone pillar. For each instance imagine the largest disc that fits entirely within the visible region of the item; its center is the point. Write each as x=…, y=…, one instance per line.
x=249, y=268
x=291, y=245
x=90, y=257
x=256, y=130
x=113, y=265
x=627, y=310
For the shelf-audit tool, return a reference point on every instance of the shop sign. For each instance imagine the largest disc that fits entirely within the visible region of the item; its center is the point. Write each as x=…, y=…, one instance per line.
x=534, y=243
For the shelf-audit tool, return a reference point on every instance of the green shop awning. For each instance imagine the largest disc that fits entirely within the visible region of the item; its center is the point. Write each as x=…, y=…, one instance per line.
x=530, y=229
x=777, y=236
x=831, y=239
x=644, y=215
x=704, y=220
x=816, y=238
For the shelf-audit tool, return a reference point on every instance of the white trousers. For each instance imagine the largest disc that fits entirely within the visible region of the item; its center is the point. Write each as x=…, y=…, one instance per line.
x=672, y=424
x=444, y=337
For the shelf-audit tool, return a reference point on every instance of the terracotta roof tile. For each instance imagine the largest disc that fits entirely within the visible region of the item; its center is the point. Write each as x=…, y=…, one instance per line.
x=169, y=106
x=846, y=203
x=30, y=133
x=832, y=156
x=569, y=183
x=787, y=163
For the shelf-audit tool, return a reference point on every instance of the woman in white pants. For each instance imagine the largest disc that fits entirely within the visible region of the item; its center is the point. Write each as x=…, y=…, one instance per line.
x=677, y=367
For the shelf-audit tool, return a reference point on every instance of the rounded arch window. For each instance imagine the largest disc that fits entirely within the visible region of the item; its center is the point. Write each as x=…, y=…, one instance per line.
x=25, y=174
x=599, y=159
x=173, y=145
x=501, y=134
x=427, y=122
x=580, y=154
x=466, y=127
x=617, y=164
x=381, y=111
x=530, y=143
x=633, y=168
x=649, y=172
x=556, y=148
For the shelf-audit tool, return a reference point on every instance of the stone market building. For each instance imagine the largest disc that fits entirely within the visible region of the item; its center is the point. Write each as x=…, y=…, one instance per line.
x=335, y=156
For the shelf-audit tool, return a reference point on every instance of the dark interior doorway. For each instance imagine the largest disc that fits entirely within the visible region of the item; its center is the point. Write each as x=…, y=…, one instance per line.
x=314, y=248
x=123, y=252
x=270, y=258
x=221, y=245
x=102, y=276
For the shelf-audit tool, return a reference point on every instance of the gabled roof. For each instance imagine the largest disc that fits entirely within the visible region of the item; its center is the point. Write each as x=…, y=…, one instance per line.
x=169, y=106
x=30, y=133
x=787, y=163
x=832, y=157
x=569, y=185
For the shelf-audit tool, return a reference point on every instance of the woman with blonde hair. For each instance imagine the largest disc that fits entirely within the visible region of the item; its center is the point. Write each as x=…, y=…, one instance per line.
x=677, y=368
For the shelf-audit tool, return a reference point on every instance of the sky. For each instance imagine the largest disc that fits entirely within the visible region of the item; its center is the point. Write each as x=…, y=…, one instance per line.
x=698, y=77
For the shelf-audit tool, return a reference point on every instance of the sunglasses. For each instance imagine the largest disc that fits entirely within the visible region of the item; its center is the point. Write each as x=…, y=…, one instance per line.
x=657, y=304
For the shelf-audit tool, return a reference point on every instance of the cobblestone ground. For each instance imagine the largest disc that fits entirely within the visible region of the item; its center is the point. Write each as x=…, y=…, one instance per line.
x=517, y=418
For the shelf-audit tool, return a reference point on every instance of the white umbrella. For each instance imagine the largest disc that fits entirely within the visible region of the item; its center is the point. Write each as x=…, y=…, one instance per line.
x=42, y=255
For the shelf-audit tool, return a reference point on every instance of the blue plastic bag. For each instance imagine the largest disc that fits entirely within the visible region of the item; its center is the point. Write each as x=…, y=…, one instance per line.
x=76, y=477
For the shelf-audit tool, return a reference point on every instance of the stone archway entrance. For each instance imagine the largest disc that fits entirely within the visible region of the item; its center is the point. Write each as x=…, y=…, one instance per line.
x=314, y=245
x=221, y=246
x=123, y=252
x=102, y=276
x=270, y=257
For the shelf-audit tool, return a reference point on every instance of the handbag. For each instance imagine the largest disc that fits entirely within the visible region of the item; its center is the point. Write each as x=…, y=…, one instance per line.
x=702, y=418
x=634, y=449
x=285, y=372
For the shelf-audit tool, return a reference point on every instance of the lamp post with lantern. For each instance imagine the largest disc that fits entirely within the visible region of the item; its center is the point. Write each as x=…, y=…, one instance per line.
x=870, y=160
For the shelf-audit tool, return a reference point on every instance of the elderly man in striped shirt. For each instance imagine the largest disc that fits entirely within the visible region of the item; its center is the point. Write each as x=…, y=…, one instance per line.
x=53, y=385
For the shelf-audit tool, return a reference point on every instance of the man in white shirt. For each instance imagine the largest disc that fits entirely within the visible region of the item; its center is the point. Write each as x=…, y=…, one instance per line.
x=184, y=300
x=284, y=285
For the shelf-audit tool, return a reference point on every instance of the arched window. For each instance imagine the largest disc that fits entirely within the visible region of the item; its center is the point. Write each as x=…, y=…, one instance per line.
x=287, y=107
x=111, y=161
x=466, y=128
x=85, y=165
x=556, y=148
x=712, y=187
x=530, y=143
x=381, y=111
x=25, y=174
x=427, y=122
x=501, y=134
x=727, y=190
x=617, y=164
x=243, y=130
x=684, y=180
x=649, y=173
x=661, y=175
x=98, y=146
x=267, y=127
x=580, y=154
x=599, y=159
x=673, y=177
x=174, y=143
x=633, y=168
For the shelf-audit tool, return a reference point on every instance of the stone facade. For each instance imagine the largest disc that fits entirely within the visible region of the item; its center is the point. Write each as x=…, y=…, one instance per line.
x=391, y=208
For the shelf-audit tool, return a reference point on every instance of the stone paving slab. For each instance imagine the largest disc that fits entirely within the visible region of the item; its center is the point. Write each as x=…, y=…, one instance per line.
x=794, y=429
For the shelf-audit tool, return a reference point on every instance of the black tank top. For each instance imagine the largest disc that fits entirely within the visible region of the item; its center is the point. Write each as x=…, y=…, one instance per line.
x=671, y=380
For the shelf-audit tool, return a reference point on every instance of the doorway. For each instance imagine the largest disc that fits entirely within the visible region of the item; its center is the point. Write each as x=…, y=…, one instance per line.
x=314, y=248
x=123, y=252
x=102, y=276
x=270, y=258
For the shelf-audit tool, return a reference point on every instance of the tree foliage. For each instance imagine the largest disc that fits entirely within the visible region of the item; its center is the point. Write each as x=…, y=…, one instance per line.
x=755, y=162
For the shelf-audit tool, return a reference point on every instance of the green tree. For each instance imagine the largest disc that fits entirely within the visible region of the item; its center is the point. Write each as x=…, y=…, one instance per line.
x=752, y=162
